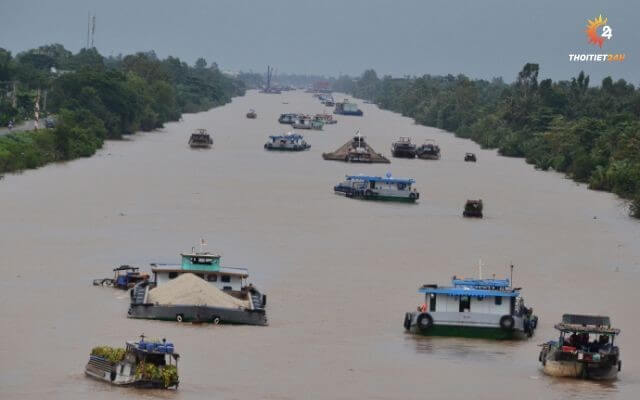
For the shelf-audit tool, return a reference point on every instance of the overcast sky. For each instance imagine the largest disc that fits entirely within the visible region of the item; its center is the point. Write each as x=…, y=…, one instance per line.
x=480, y=38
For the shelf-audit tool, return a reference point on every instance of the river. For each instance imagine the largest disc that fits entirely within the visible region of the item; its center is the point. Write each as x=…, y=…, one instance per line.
x=339, y=273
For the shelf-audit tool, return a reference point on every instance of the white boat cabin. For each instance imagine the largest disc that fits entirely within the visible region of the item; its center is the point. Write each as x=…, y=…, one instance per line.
x=482, y=296
x=204, y=265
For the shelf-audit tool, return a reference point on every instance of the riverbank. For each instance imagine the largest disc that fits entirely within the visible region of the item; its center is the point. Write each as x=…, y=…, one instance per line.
x=96, y=98
x=591, y=134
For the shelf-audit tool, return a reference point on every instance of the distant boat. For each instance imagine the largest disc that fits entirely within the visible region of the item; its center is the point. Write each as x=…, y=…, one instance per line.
x=428, y=151
x=252, y=114
x=378, y=188
x=403, y=148
x=200, y=139
x=288, y=142
x=347, y=108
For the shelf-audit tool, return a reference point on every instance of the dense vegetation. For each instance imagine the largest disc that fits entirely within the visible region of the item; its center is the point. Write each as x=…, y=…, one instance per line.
x=96, y=98
x=590, y=133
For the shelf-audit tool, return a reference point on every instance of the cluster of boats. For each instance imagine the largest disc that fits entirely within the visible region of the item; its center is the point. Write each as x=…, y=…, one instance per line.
x=405, y=148
x=494, y=309
x=470, y=308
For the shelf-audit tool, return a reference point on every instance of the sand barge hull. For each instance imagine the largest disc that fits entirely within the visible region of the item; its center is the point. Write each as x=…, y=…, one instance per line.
x=193, y=313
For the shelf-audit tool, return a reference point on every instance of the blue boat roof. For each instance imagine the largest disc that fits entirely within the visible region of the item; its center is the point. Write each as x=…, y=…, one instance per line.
x=485, y=283
x=467, y=291
x=387, y=179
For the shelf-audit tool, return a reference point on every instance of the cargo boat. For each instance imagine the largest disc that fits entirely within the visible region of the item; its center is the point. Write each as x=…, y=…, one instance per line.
x=207, y=267
x=585, y=349
x=377, y=188
x=428, y=151
x=288, y=142
x=142, y=364
x=403, y=148
x=200, y=139
x=347, y=108
x=473, y=308
x=356, y=150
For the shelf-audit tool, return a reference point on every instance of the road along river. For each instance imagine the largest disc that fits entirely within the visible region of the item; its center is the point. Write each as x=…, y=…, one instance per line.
x=339, y=273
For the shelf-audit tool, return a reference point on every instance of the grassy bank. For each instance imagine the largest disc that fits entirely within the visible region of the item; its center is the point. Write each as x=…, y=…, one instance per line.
x=592, y=134
x=97, y=98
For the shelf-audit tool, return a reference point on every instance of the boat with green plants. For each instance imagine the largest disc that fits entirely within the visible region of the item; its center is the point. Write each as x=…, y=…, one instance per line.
x=474, y=308
x=150, y=364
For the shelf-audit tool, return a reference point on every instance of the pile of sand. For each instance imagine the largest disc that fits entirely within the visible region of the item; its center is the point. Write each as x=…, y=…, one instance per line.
x=188, y=289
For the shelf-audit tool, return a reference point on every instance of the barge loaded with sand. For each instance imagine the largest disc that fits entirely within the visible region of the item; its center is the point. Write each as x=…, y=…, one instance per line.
x=356, y=150
x=199, y=290
x=151, y=364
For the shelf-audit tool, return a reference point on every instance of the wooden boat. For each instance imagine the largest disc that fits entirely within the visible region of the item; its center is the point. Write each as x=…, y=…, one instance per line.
x=403, y=148
x=428, y=151
x=585, y=349
x=142, y=364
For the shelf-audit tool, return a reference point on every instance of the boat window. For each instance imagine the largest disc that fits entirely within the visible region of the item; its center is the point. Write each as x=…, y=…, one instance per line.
x=432, y=303
x=372, y=185
x=227, y=288
x=212, y=278
x=401, y=186
x=225, y=278
x=465, y=303
x=498, y=300
x=173, y=275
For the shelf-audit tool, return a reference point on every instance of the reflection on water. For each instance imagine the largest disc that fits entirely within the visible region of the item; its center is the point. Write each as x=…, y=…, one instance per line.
x=461, y=349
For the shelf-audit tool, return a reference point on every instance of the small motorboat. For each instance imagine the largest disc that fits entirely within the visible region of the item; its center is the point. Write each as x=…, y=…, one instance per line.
x=470, y=157
x=585, y=349
x=473, y=208
x=429, y=150
x=252, y=114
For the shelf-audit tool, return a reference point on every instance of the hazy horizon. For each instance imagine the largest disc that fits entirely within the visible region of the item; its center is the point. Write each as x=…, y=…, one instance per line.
x=493, y=38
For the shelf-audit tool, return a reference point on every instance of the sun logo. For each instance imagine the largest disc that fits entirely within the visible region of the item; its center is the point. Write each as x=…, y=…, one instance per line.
x=592, y=31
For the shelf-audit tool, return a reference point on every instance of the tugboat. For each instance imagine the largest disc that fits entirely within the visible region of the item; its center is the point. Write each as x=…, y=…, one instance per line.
x=289, y=142
x=252, y=114
x=124, y=277
x=378, y=188
x=403, y=148
x=470, y=157
x=473, y=208
x=143, y=364
x=200, y=139
x=585, y=349
x=474, y=308
x=347, y=108
x=287, y=118
x=429, y=150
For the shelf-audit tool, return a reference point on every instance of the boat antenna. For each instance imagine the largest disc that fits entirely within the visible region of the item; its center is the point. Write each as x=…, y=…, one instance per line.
x=202, y=244
x=511, y=274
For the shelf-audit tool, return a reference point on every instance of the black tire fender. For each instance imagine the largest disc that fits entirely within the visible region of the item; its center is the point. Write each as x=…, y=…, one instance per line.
x=507, y=323
x=180, y=318
x=407, y=321
x=424, y=321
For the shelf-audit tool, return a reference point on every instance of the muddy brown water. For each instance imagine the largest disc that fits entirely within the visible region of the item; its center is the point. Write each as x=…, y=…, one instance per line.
x=339, y=273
